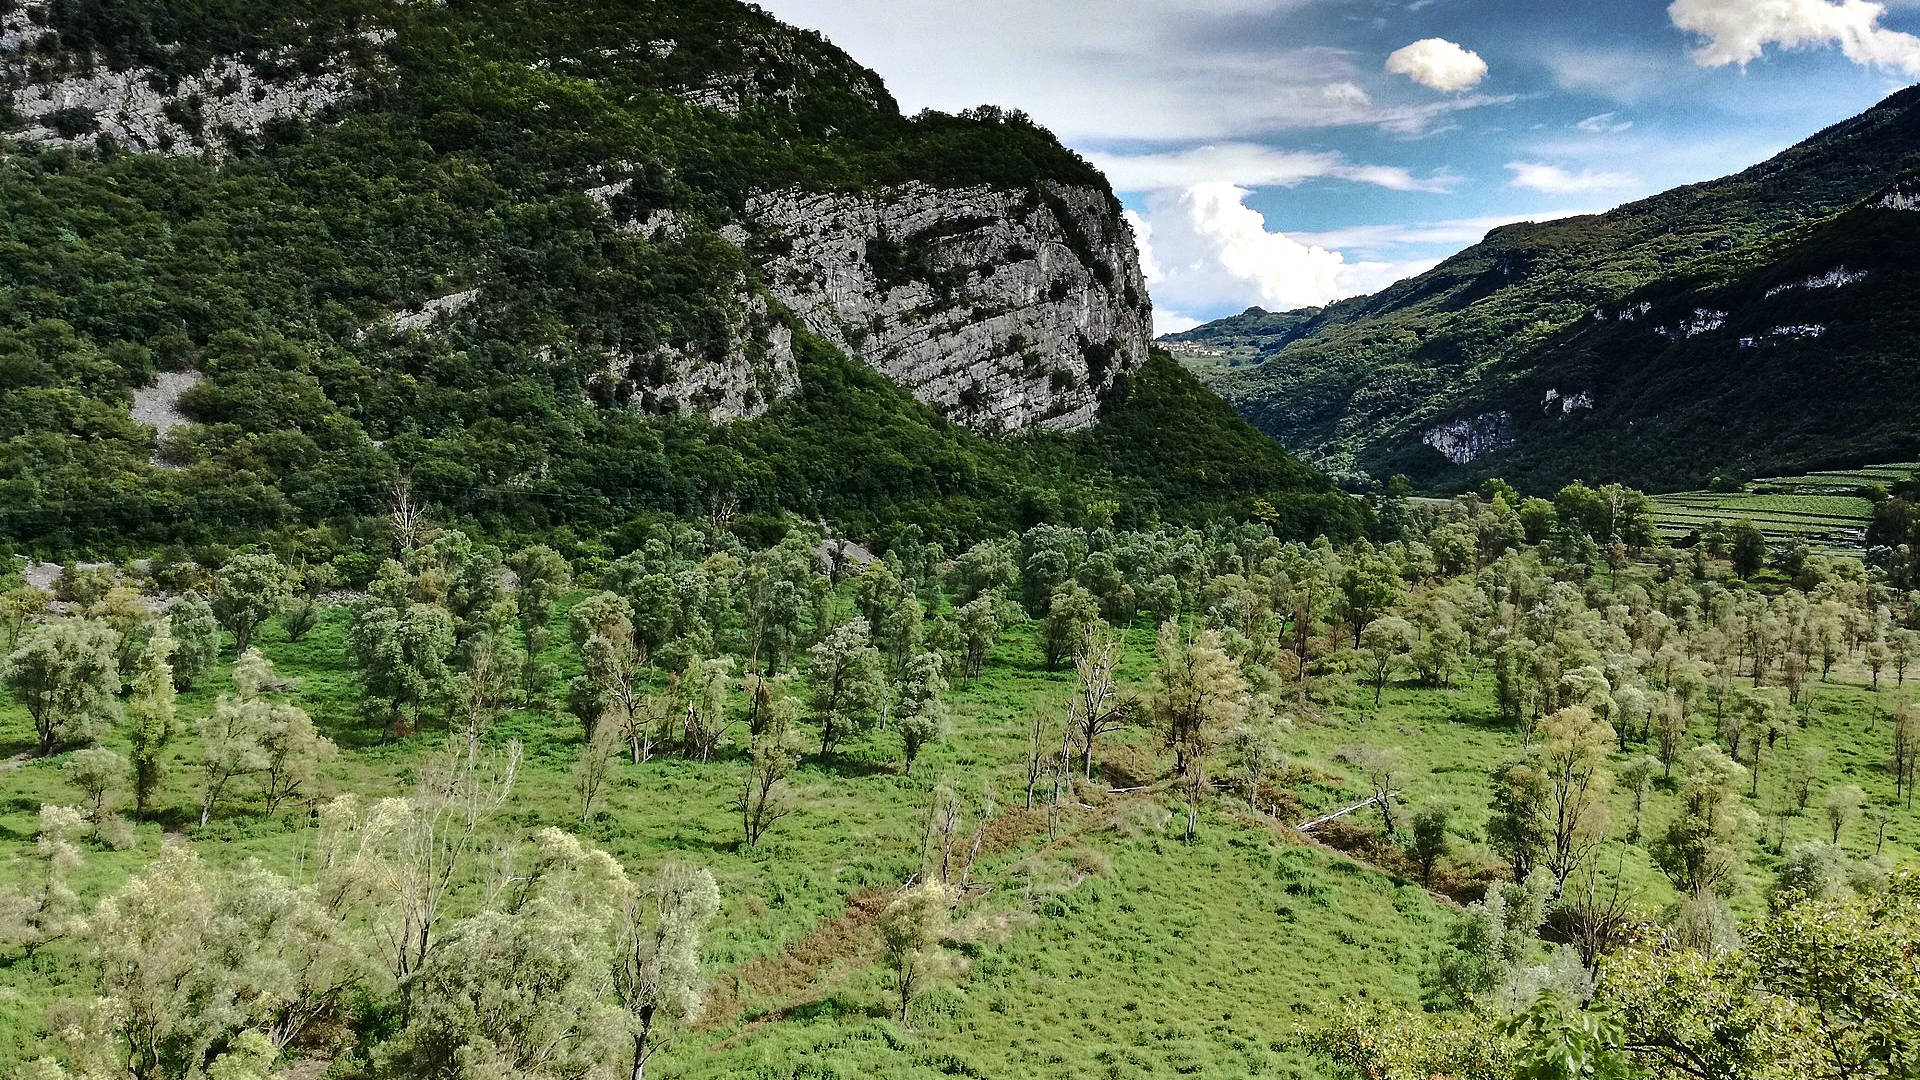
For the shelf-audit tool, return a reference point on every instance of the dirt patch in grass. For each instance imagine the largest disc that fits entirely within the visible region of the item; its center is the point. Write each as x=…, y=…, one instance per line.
x=846, y=940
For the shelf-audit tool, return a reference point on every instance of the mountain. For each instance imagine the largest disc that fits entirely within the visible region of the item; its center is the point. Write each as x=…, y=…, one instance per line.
x=564, y=265
x=1761, y=324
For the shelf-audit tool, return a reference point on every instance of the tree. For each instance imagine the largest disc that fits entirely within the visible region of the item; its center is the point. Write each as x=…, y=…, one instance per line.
x=294, y=753
x=400, y=650
x=848, y=682
x=1905, y=762
x=151, y=718
x=198, y=969
x=1669, y=732
x=520, y=990
x=1069, y=615
x=1842, y=804
x=595, y=764
x=484, y=690
x=1517, y=826
x=708, y=684
x=301, y=616
x=1573, y=750
x=125, y=612
x=1638, y=775
x=1259, y=743
x=1430, y=841
x=611, y=685
x=64, y=674
x=1494, y=943
x=32, y=918
x=1198, y=694
x=233, y=735
x=191, y=622
x=922, y=718
x=1369, y=586
x=1095, y=708
x=470, y=574
x=18, y=609
x=406, y=855
x=1747, y=547
x=249, y=590
x=1800, y=778
x=911, y=928
x=1699, y=850
x=656, y=973
x=1382, y=769
x=1382, y=644
x=770, y=761
x=544, y=577
x=99, y=773
x=979, y=624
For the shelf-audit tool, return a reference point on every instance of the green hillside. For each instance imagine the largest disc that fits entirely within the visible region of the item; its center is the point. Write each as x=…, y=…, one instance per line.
x=1504, y=335
x=463, y=167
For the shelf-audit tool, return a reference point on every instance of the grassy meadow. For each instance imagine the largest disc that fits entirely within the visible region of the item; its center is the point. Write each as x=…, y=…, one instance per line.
x=1110, y=947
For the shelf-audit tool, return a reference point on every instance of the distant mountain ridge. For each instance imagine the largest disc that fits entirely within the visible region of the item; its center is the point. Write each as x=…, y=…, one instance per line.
x=1758, y=324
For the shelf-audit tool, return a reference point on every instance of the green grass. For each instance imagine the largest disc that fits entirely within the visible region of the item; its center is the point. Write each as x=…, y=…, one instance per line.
x=1065, y=955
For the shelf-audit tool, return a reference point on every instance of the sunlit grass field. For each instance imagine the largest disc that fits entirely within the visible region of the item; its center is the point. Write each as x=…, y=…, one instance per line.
x=1113, y=948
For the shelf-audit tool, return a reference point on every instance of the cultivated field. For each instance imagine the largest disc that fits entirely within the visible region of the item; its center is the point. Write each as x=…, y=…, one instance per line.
x=1827, y=510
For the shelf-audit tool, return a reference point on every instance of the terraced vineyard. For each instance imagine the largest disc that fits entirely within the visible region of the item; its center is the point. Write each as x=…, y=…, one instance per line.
x=1828, y=510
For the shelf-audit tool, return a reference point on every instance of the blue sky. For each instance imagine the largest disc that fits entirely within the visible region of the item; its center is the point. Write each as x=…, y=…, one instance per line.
x=1287, y=153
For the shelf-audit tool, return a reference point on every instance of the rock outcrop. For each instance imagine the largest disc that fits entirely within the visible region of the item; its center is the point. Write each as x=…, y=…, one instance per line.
x=86, y=102
x=735, y=376
x=1462, y=441
x=1005, y=309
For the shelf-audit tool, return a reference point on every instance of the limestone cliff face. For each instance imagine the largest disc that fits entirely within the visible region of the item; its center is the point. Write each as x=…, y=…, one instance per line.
x=79, y=100
x=1004, y=309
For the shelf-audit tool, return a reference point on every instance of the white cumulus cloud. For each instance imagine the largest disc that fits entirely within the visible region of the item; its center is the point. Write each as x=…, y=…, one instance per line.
x=1439, y=64
x=1555, y=180
x=1739, y=31
x=1204, y=249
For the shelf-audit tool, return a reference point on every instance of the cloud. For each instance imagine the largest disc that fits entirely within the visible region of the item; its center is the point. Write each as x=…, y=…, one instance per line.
x=1739, y=31
x=1250, y=165
x=1604, y=124
x=1172, y=322
x=1122, y=70
x=1439, y=64
x=1555, y=180
x=1630, y=76
x=1205, y=250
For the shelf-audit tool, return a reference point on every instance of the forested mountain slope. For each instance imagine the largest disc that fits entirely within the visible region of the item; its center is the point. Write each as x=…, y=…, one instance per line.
x=561, y=264
x=1754, y=324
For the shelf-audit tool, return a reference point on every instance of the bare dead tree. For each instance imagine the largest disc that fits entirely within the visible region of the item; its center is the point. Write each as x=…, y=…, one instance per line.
x=408, y=518
x=1097, y=709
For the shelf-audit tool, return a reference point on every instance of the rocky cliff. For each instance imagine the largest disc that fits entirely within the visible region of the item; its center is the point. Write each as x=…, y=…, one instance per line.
x=67, y=97
x=1005, y=310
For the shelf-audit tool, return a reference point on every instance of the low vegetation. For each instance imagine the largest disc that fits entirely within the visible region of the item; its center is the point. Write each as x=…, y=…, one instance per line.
x=711, y=808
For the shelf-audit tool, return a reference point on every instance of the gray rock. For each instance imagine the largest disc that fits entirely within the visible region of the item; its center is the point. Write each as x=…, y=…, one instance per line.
x=1004, y=309
x=132, y=108
x=754, y=369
